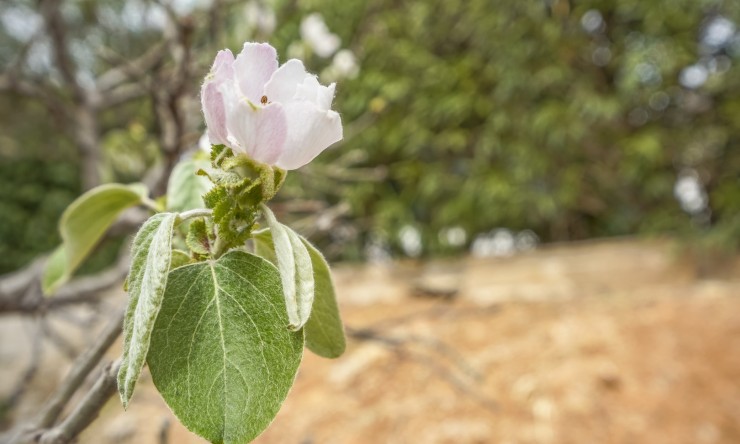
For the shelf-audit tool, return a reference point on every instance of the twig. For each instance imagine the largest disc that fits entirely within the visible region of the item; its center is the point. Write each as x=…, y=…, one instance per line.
x=83, y=366
x=40, y=428
x=57, y=340
x=20, y=293
x=87, y=410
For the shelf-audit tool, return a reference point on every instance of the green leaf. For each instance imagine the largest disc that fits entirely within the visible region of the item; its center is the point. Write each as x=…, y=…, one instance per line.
x=185, y=189
x=56, y=267
x=263, y=245
x=197, y=239
x=84, y=222
x=324, y=329
x=221, y=355
x=151, y=255
x=296, y=271
x=179, y=258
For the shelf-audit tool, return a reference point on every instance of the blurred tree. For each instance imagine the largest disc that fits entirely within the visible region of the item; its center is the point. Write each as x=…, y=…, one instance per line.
x=572, y=119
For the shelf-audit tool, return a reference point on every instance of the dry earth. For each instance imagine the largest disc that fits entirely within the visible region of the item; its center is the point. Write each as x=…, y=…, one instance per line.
x=609, y=342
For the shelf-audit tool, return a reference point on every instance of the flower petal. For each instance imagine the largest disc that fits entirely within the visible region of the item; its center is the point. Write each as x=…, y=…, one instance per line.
x=284, y=82
x=214, y=113
x=315, y=92
x=260, y=132
x=212, y=100
x=310, y=131
x=254, y=66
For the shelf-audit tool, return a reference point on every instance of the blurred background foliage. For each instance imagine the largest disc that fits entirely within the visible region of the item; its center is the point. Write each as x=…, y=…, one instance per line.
x=546, y=120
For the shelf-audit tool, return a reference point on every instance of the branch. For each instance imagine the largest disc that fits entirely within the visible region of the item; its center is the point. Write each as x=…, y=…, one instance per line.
x=86, y=411
x=57, y=30
x=83, y=366
x=20, y=292
x=38, y=430
x=129, y=70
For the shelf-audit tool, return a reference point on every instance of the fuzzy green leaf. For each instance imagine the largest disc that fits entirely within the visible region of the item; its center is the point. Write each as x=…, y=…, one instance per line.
x=185, y=189
x=221, y=355
x=324, y=329
x=296, y=271
x=84, y=222
x=179, y=258
x=55, y=271
x=151, y=255
x=197, y=239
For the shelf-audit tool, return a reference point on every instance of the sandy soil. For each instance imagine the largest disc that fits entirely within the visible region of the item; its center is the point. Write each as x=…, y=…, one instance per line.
x=611, y=342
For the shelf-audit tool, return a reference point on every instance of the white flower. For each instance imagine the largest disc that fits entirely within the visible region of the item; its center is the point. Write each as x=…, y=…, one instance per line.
x=345, y=64
x=276, y=115
x=315, y=32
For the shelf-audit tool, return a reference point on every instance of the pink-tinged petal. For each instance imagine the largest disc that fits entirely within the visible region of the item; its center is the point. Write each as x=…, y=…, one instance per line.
x=254, y=66
x=214, y=112
x=310, y=131
x=212, y=99
x=259, y=131
x=223, y=65
x=284, y=82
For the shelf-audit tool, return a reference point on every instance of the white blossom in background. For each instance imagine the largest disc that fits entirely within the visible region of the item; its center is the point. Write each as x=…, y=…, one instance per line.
x=138, y=15
x=526, y=240
x=20, y=22
x=185, y=7
x=260, y=17
x=693, y=76
x=317, y=35
x=718, y=32
x=39, y=56
x=502, y=242
x=592, y=21
x=345, y=64
x=499, y=242
x=690, y=193
x=410, y=239
x=453, y=236
x=278, y=116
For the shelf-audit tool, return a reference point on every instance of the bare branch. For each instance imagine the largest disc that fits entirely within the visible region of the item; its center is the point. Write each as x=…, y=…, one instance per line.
x=86, y=411
x=129, y=70
x=57, y=31
x=38, y=430
x=121, y=94
x=83, y=366
x=20, y=292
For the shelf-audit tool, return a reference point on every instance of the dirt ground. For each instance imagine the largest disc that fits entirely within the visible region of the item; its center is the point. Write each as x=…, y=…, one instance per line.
x=611, y=342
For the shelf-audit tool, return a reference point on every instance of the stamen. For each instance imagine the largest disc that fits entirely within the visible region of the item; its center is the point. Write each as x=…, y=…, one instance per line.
x=263, y=100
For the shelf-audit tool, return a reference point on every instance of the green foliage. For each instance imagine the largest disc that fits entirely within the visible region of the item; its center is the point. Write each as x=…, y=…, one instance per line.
x=221, y=355
x=151, y=255
x=185, y=189
x=511, y=114
x=296, y=270
x=33, y=195
x=83, y=224
x=324, y=330
x=199, y=238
